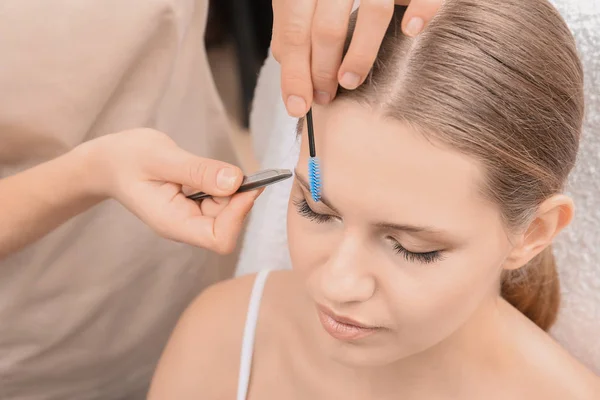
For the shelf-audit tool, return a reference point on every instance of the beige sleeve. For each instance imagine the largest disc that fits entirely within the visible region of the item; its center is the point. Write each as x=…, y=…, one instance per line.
x=61, y=62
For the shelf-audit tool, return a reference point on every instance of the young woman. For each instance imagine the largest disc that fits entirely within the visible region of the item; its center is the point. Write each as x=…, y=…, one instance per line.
x=426, y=271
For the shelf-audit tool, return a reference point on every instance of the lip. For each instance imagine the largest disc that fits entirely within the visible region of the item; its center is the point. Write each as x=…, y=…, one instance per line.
x=344, y=328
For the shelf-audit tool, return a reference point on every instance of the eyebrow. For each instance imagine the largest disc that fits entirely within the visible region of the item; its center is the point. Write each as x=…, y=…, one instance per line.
x=306, y=186
x=408, y=228
x=383, y=225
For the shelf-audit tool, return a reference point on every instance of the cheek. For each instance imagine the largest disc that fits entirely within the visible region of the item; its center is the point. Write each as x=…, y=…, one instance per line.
x=310, y=243
x=441, y=297
x=299, y=241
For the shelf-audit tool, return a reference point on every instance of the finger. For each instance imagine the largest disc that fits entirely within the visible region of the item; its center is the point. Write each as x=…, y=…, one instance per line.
x=275, y=47
x=218, y=234
x=230, y=221
x=213, y=206
x=294, y=19
x=187, y=190
x=329, y=29
x=418, y=14
x=173, y=164
x=373, y=19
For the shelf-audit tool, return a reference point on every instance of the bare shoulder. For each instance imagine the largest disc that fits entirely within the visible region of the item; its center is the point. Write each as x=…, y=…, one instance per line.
x=203, y=353
x=549, y=371
x=561, y=376
x=565, y=376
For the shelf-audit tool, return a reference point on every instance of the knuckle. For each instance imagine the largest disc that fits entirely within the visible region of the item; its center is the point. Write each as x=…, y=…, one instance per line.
x=361, y=60
x=151, y=133
x=275, y=51
x=197, y=174
x=329, y=33
x=381, y=8
x=151, y=137
x=224, y=247
x=292, y=78
x=293, y=83
x=322, y=76
x=294, y=35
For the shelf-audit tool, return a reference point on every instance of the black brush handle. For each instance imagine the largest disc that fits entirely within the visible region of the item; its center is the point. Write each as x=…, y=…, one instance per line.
x=311, y=134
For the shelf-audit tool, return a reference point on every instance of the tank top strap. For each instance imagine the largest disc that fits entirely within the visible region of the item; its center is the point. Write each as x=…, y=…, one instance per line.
x=250, y=333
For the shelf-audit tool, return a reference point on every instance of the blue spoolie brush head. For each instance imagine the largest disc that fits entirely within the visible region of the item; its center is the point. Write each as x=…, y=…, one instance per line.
x=314, y=173
x=314, y=178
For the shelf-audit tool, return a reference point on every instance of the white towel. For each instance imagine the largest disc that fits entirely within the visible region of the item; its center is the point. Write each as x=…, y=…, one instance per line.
x=577, y=249
x=275, y=146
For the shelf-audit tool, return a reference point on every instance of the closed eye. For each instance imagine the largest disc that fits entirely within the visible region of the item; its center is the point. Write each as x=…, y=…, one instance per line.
x=304, y=210
x=424, y=258
x=429, y=257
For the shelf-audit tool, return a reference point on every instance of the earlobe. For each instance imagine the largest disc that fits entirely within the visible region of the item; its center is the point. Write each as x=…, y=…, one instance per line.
x=553, y=215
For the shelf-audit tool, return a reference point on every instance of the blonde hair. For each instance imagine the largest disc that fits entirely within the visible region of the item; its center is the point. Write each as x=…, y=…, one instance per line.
x=499, y=81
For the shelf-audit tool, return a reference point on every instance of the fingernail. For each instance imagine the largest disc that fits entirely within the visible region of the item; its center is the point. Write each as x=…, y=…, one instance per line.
x=350, y=80
x=226, y=178
x=322, y=97
x=414, y=26
x=296, y=106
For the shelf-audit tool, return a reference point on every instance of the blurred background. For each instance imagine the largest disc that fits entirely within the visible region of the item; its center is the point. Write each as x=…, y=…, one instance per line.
x=238, y=36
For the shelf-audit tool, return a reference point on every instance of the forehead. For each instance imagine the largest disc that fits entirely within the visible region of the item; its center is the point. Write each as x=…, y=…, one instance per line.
x=366, y=158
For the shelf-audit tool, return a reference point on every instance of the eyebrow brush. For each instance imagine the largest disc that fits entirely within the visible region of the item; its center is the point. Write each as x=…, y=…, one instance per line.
x=314, y=173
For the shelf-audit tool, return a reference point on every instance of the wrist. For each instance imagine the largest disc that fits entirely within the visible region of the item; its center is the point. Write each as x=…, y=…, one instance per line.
x=90, y=168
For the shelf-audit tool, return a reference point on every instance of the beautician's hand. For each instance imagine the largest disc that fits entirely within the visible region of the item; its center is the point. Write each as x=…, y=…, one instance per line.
x=146, y=171
x=309, y=36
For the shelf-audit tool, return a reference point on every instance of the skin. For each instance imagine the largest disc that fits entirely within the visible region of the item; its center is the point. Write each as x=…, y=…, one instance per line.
x=142, y=169
x=444, y=332
x=308, y=39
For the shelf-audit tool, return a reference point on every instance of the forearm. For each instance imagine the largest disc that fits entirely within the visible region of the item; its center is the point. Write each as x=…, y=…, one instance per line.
x=38, y=200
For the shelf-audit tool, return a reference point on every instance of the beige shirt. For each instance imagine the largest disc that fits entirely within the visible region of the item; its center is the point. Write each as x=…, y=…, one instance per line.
x=85, y=312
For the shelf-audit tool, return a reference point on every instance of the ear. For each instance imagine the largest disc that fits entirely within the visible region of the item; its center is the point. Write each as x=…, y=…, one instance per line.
x=553, y=215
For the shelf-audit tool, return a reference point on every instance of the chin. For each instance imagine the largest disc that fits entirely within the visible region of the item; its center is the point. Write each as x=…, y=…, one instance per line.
x=375, y=352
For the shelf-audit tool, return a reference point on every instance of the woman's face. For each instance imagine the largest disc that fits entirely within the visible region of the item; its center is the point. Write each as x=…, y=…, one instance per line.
x=402, y=243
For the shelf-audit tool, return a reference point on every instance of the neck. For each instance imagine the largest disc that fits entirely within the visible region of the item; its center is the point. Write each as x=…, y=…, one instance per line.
x=473, y=350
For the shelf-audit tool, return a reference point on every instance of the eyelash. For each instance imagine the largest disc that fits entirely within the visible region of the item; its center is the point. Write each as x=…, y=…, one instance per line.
x=304, y=210
x=429, y=257
x=424, y=258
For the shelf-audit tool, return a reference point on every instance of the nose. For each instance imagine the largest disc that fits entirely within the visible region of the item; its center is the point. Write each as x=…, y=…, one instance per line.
x=346, y=278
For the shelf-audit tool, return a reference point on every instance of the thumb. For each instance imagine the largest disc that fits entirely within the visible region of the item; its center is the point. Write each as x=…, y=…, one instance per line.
x=214, y=177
